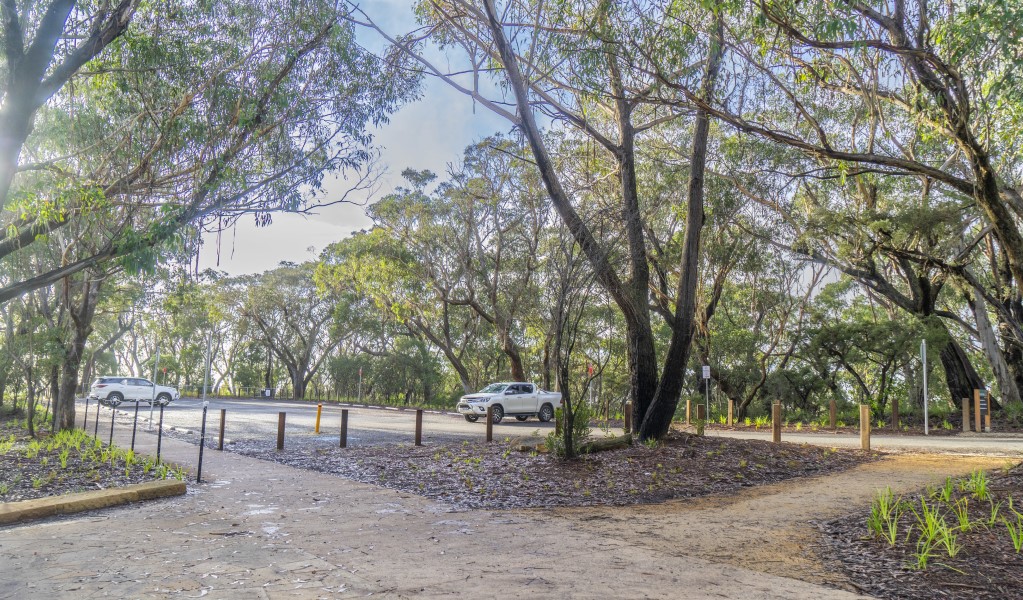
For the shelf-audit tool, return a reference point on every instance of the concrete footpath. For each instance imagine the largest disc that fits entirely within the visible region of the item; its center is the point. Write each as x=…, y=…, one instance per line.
x=262, y=530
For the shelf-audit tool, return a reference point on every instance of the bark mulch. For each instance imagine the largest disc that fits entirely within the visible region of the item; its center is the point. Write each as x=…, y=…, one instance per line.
x=985, y=566
x=496, y=476
x=30, y=470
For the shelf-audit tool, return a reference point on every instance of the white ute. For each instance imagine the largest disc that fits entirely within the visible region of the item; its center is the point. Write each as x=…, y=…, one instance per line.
x=514, y=399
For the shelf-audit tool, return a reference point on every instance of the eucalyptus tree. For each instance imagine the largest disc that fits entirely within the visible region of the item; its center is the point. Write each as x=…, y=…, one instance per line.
x=380, y=266
x=910, y=90
x=288, y=314
x=145, y=120
x=869, y=339
x=906, y=88
x=575, y=64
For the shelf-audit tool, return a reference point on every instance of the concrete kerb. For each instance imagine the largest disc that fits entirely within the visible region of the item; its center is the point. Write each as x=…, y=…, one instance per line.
x=40, y=508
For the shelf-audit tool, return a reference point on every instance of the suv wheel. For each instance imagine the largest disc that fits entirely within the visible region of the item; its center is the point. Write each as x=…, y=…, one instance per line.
x=546, y=413
x=115, y=398
x=471, y=418
x=163, y=399
x=496, y=413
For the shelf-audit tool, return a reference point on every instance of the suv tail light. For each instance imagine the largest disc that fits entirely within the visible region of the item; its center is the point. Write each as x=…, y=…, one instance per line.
x=99, y=385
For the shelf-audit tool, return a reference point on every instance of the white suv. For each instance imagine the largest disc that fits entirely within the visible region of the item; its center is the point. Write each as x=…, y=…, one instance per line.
x=115, y=390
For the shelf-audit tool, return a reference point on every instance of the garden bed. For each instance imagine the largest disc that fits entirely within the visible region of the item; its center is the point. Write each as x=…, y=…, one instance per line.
x=958, y=540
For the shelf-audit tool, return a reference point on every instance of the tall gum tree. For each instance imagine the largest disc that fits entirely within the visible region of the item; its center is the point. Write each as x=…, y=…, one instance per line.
x=152, y=121
x=573, y=64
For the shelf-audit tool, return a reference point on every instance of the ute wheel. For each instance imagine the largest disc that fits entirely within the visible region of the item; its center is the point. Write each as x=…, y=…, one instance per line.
x=546, y=413
x=114, y=399
x=497, y=413
x=521, y=417
x=471, y=418
x=163, y=399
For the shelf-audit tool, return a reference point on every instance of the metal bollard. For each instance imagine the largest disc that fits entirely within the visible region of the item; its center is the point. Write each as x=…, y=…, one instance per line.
x=319, y=411
x=85, y=419
x=134, y=425
x=202, y=442
x=223, y=421
x=419, y=427
x=490, y=424
x=344, y=428
x=95, y=431
x=159, y=436
x=280, y=431
x=112, y=414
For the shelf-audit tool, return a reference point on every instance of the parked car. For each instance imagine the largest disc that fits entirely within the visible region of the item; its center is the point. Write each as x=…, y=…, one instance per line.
x=514, y=399
x=112, y=391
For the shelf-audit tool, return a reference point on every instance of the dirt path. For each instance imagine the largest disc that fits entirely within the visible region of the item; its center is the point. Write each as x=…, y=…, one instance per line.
x=769, y=529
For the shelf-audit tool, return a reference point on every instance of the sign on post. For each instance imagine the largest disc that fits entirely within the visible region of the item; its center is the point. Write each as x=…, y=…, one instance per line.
x=706, y=371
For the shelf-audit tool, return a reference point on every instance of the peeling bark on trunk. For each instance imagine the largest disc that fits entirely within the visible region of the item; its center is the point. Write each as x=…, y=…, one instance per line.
x=1006, y=383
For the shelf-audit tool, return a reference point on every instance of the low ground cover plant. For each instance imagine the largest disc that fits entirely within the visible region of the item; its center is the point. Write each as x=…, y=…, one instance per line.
x=66, y=462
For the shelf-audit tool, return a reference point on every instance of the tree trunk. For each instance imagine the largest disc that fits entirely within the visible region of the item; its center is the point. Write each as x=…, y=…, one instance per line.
x=960, y=375
x=1006, y=383
x=657, y=419
x=81, y=316
x=31, y=406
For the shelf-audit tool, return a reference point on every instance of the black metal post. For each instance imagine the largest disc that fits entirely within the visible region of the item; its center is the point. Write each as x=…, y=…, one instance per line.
x=159, y=436
x=95, y=431
x=134, y=425
x=202, y=443
x=112, y=414
x=85, y=420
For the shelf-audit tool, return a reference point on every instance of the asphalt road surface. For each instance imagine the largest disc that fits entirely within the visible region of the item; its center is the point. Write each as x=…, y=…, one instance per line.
x=256, y=420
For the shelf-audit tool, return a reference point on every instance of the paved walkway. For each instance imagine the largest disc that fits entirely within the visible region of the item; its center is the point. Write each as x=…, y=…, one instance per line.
x=262, y=530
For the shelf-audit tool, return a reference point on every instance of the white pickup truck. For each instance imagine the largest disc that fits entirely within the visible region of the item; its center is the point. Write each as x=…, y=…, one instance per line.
x=514, y=399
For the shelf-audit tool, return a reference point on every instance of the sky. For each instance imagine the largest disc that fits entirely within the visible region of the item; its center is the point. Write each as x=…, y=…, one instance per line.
x=430, y=133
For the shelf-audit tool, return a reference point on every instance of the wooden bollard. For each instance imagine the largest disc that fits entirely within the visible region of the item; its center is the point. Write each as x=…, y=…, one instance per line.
x=280, y=431
x=731, y=412
x=966, y=415
x=776, y=422
x=895, y=414
x=223, y=420
x=689, y=408
x=976, y=411
x=490, y=424
x=628, y=417
x=701, y=422
x=833, y=415
x=419, y=427
x=987, y=413
x=319, y=411
x=344, y=428
x=865, y=426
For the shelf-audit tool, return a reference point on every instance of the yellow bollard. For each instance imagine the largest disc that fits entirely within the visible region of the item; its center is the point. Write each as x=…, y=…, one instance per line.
x=319, y=411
